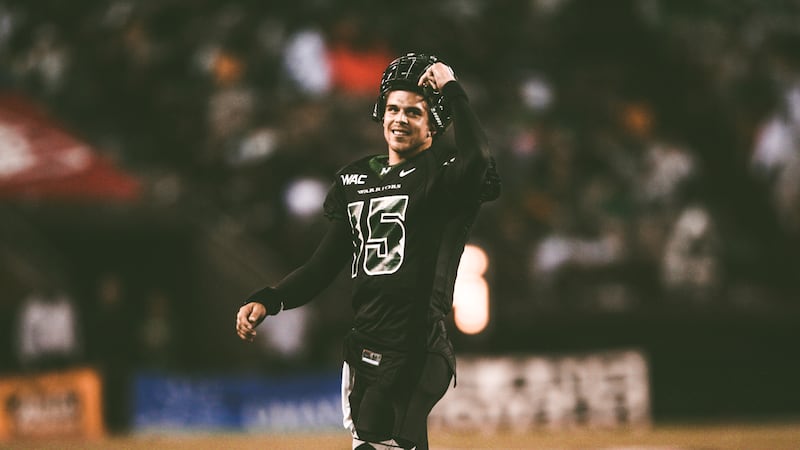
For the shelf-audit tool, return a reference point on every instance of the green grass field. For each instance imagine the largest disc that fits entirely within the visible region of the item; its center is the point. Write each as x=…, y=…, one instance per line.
x=774, y=436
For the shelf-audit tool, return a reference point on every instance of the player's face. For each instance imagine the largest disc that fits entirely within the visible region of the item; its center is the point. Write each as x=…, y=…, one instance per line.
x=405, y=125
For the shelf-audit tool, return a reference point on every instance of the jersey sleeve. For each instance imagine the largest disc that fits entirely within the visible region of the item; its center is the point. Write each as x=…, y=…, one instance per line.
x=472, y=176
x=319, y=271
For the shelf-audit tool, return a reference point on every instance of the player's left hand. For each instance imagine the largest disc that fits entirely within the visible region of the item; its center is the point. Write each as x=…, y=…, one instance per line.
x=436, y=76
x=248, y=318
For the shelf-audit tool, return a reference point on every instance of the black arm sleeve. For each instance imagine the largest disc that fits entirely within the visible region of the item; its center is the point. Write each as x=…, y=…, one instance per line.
x=308, y=280
x=475, y=170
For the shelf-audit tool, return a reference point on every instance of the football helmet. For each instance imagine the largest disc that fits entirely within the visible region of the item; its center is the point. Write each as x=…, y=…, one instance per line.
x=403, y=74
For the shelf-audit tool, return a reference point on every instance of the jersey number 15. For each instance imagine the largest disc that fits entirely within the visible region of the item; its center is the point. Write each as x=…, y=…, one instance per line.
x=383, y=250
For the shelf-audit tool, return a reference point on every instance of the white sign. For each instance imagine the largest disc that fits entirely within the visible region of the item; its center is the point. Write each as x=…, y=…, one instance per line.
x=604, y=389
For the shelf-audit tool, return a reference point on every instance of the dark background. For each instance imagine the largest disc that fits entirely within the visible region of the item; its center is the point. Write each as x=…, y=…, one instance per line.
x=579, y=98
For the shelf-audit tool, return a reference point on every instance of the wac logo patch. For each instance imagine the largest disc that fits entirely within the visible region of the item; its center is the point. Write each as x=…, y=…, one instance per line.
x=353, y=178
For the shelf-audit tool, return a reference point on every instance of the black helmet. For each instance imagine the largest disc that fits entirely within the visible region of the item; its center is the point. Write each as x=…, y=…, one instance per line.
x=403, y=74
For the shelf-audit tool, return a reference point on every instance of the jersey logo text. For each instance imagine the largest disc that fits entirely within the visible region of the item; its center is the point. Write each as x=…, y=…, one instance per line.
x=353, y=178
x=373, y=189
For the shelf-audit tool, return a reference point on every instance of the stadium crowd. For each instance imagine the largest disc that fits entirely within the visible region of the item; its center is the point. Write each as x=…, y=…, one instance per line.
x=649, y=150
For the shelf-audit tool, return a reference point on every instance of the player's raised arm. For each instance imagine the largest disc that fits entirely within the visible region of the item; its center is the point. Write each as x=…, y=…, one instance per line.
x=474, y=167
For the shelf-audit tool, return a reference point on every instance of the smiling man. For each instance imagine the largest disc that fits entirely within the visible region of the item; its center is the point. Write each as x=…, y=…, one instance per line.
x=405, y=125
x=401, y=219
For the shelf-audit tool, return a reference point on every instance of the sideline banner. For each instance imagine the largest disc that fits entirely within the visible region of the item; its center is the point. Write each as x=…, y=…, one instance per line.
x=594, y=390
x=62, y=404
x=169, y=403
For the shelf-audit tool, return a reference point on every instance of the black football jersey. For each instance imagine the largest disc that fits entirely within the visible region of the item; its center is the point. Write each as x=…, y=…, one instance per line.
x=409, y=225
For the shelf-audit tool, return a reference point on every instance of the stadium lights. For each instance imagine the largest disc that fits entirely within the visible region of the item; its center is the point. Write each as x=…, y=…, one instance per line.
x=304, y=197
x=471, y=294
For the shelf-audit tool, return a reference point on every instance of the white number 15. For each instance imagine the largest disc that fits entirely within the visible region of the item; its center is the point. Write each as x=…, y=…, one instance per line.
x=383, y=250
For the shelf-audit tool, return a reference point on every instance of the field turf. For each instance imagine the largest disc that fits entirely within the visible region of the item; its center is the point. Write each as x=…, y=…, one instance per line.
x=740, y=436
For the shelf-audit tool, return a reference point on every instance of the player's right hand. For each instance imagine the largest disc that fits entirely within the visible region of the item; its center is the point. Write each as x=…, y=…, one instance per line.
x=436, y=76
x=248, y=318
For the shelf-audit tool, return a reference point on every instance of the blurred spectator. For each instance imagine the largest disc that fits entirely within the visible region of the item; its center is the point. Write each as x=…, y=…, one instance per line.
x=355, y=56
x=691, y=268
x=776, y=154
x=110, y=337
x=667, y=169
x=45, y=64
x=156, y=334
x=48, y=330
x=611, y=124
x=231, y=106
x=306, y=63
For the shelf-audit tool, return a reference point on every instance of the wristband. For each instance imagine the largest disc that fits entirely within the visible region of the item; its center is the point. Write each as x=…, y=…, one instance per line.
x=453, y=89
x=269, y=297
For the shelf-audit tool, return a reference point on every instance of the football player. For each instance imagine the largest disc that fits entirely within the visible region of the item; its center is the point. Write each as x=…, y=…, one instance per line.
x=399, y=222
